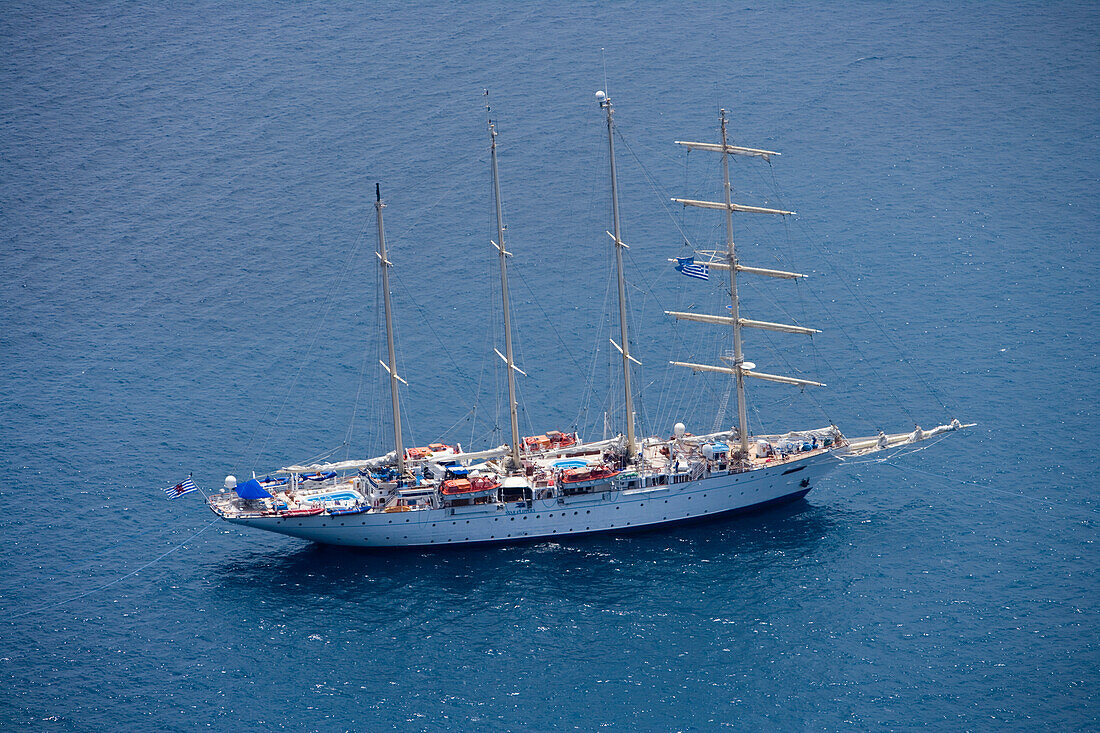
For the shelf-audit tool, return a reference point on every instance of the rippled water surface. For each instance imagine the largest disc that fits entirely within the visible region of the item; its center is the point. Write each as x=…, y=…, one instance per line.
x=187, y=227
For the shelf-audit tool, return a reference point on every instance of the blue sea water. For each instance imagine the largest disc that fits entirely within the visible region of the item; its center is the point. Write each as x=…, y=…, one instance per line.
x=187, y=233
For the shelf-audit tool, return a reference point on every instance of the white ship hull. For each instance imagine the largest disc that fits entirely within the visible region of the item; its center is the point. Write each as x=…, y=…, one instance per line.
x=608, y=511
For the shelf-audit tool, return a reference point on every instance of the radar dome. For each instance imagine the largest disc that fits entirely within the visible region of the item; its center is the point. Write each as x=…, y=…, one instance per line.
x=679, y=429
x=230, y=482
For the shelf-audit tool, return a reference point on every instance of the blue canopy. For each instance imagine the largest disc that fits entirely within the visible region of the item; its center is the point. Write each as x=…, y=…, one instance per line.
x=458, y=470
x=721, y=448
x=251, y=489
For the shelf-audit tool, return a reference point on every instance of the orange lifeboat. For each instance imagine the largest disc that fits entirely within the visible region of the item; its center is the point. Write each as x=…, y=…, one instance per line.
x=536, y=442
x=559, y=439
x=478, y=484
x=588, y=473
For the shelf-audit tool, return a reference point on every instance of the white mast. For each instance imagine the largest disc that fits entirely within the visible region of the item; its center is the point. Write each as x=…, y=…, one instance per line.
x=731, y=257
x=385, y=264
x=631, y=444
x=499, y=244
x=741, y=368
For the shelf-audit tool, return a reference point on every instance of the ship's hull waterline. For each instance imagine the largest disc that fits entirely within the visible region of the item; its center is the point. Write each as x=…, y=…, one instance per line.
x=607, y=511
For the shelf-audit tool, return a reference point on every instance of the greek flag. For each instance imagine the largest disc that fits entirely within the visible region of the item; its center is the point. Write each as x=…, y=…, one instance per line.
x=184, y=487
x=687, y=266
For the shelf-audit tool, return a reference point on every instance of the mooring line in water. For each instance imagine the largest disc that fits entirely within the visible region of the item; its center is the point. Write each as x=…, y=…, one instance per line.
x=119, y=579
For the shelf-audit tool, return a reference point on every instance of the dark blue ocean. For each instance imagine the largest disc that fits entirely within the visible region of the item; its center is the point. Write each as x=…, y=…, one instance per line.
x=189, y=285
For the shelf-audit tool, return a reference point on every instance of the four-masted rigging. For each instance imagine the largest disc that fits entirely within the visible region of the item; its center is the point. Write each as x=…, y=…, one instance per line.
x=554, y=484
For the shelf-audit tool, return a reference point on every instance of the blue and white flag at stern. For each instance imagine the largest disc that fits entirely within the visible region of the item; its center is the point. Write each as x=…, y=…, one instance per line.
x=184, y=487
x=687, y=266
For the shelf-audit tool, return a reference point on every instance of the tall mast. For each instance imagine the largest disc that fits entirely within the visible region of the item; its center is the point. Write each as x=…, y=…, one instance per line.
x=499, y=244
x=631, y=444
x=385, y=264
x=740, y=368
x=738, y=356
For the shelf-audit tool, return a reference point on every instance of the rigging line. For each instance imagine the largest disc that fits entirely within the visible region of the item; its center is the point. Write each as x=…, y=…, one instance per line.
x=984, y=487
x=445, y=433
x=303, y=360
x=407, y=428
x=477, y=395
x=443, y=347
x=653, y=184
x=557, y=334
x=330, y=302
x=839, y=327
x=244, y=454
x=355, y=406
x=589, y=385
x=682, y=345
x=903, y=449
x=809, y=394
x=906, y=358
x=320, y=456
x=119, y=579
x=424, y=212
x=487, y=345
x=375, y=425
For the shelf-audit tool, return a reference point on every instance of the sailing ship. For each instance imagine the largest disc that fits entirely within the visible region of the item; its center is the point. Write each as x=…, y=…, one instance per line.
x=555, y=485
